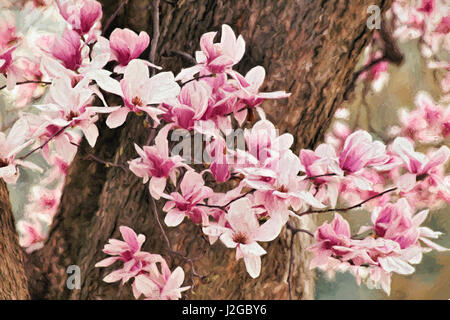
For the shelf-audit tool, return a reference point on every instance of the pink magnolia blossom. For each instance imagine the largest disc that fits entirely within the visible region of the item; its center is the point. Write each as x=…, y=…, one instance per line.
x=69, y=107
x=10, y=145
x=143, y=267
x=28, y=69
x=331, y=241
x=221, y=161
x=444, y=25
x=377, y=75
x=396, y=222
x=126, y=45
x=318, y=164
x=31, y=235
x=428, y=123
x=80, y=14
x=68, y=49
x=360, y=151
x=216, y=57
x=155, y=164
x=44, y=203
x=193, y=192
x=129, y=252
x=249, y=96
x=7, y=67
x=8, y=31
x=337, y=135
x=244, y=233
x=263, y=142
x=418, y=165
x=426, y=7
x=139, y=91
x=165, y=285
x=189, y=106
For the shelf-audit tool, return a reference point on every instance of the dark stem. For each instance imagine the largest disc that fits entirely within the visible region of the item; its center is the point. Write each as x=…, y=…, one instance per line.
x=113, y=16
x=320, y=176
x=27, y=82
x=90, y=156
x=212, y=75
x=294, y=231
x=186, y=56
x=228, y=203
x=156, y=33
x=349, y=208
x=169, y=249
x=43, y=144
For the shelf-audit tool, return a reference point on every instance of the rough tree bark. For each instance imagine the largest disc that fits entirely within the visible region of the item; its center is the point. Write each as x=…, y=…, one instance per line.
x=309, y=48
x=13, y=282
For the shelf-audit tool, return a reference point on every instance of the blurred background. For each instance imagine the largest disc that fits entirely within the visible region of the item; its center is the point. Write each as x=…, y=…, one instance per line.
x=378, y=114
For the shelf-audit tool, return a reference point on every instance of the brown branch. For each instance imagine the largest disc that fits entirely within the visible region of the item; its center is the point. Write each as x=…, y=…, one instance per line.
x=90, y=156
x=156, y=33
x=169, y=249
x=43, y=144
x=196, y=78
x=228, y=203
x=321, y=175
x=114, y=16
x=294, y=231
x=186, y=56
x=28, y=82
x=349, y=208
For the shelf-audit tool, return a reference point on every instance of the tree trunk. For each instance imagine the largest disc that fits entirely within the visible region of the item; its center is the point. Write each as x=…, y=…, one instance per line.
x=13, y=283
x=308, y=48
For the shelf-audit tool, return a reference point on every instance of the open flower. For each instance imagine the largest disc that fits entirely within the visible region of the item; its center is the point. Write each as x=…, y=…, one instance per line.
x=189, y=106
x=126, y=45
x=155, y=164
x=216, y=57
x=160, y=286
x=139, y=91
x=68, y=106
x=129, y=252
x=143, y=267
x=419, y=166
x=11, y=144
x=243, y=234
x=193, y=191
x=249, y=95
x=80, y=14
x=68, y=49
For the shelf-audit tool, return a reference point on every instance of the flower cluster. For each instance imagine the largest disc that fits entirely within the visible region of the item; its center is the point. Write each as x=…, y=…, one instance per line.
x=268, y=183
x=152, y=276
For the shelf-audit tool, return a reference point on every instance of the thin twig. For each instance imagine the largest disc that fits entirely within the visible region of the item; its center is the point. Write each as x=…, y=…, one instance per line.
x=169, y=249
x=228, y=203
x=90, y=156
x=28, y=82
x=291, y=261
x=43, y=144
x=156, y=33
x=113, y=16
x=320, y=176
x=186, y=56
x=294, y=231
x=349, y=208
x=195, y=78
